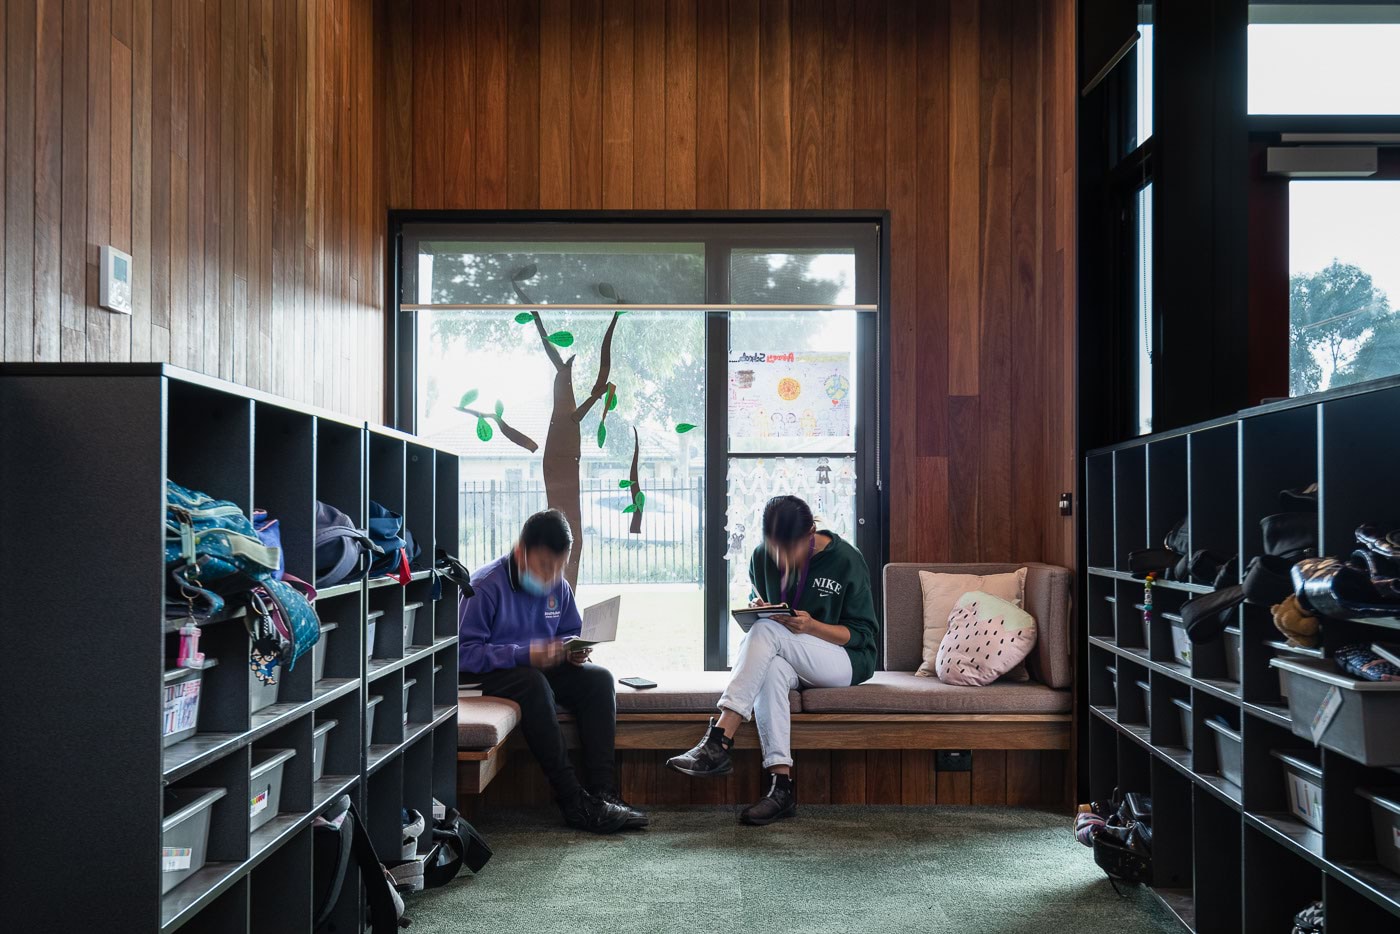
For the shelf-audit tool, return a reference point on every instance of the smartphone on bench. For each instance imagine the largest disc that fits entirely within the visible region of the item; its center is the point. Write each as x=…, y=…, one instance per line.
x=641, y=684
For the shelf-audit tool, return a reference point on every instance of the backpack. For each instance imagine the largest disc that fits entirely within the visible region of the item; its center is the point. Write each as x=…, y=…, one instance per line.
x=338, y=834
x=455, y=843
x=339, y=546
x=391, y=542
x=212, y=550
x=270, y=532
x=282, y=624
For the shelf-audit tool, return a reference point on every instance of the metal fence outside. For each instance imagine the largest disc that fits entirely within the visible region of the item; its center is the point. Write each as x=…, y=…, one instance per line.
x=668, y=550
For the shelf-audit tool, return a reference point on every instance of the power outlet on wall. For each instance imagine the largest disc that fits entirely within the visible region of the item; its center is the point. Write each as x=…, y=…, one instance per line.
x=953, y=760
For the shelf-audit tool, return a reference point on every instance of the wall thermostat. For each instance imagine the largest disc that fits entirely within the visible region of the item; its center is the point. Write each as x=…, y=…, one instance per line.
x=116, y=280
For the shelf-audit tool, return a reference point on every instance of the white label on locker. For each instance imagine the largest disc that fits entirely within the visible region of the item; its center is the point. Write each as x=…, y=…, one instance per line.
x=1331, y=703
x=259, y=802
x=175, y=858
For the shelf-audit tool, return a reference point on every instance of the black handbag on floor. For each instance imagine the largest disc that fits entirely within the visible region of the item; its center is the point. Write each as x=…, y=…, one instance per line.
x=456, y=843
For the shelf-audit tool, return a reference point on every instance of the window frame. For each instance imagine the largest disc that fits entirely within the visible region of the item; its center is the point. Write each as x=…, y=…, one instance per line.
x=722, y=232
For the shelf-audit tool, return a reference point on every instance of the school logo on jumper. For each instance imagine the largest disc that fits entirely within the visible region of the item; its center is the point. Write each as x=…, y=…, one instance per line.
x=826, y=586
x=551, y=607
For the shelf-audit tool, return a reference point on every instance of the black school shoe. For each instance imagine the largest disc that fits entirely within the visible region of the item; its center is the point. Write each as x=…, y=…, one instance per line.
x=779, y=803
x=584, y=811
x=709, y=757
x=636, y=818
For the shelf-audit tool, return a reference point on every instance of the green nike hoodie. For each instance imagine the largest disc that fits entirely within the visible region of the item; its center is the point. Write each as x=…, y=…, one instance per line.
x=837, y=592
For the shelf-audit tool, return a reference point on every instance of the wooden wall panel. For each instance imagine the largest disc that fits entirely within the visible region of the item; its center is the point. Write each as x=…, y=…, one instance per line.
x=230, y=147
x=956, y=116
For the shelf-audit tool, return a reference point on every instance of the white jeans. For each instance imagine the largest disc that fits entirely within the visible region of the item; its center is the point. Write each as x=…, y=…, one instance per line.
x=773, y=661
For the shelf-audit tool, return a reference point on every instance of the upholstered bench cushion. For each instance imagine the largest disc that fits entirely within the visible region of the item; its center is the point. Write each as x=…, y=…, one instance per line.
x=482, y=722
x=682, y=692
x=905, y=692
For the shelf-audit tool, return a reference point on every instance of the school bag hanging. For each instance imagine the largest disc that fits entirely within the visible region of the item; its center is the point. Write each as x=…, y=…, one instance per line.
x=340, y=546
x=212, y=551
x=387, y=533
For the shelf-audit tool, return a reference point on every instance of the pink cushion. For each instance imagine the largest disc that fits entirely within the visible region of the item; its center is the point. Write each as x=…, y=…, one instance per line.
x=987, y=637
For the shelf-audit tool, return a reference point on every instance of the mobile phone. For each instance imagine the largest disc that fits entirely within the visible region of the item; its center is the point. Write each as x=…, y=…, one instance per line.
x=640, y=684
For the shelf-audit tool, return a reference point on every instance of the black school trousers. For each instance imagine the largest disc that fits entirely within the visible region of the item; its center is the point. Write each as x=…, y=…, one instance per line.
x=587, y=692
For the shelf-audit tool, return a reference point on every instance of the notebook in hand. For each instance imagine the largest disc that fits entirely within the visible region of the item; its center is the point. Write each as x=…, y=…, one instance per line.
x=599, y=625
x=746, y=616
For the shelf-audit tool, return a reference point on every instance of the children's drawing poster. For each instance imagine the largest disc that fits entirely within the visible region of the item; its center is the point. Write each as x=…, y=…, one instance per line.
x=797, y=394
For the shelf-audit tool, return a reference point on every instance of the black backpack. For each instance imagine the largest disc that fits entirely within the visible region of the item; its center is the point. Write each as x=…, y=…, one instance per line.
x=456, y=843
x=338, y=835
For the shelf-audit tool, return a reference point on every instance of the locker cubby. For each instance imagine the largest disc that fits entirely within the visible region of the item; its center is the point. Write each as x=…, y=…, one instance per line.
x=1172, y=834
x=1132, y=705
x=388, y=645
x=422, y=631
x=1278, y=883
x=1129, y=504
x=445, y=677
x=1166, y=487
x=418, y=785
x=1214, y=495
x=152, y=422
x=418, y=698
x=1236, y=468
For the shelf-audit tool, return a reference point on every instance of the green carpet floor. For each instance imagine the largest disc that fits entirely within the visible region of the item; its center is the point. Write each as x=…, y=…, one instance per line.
x=833, y=869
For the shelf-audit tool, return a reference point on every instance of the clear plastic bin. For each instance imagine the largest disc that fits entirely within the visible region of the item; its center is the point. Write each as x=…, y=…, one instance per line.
x=410, y=615
x=180, y=702
x=373, y=702
x=1113, y=677
x=1229, y=752
x=1146, y=701
x=319, y=651
x=318, y=747
x=1362, y=728
x=184, y=833
x=1304, y=783
x=261, y=696
x=1231, y=641
x=407, y=685
x=265, y=785
x=1183, y=710
x=1385, y=823
x=372, y=621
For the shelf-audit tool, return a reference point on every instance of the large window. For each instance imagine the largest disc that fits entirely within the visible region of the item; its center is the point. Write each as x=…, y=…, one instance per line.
x=658, y=383
x=1320, y=58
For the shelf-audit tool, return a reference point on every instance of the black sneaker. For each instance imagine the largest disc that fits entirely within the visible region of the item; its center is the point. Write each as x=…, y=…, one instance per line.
x=709, y=757
x=779, y=803
x=587, y=812
x=636, y=818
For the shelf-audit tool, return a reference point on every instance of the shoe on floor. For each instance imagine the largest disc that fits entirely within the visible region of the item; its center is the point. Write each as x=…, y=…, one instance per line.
x=584, y=811
x=709, y=757
x=636, y=817
x=778, y=804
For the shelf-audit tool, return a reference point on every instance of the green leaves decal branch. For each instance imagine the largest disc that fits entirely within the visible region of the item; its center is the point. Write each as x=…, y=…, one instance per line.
x=484, y=431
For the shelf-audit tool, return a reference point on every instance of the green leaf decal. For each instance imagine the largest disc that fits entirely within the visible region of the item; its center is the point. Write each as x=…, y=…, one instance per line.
x=683, y=427
x=468, y=398
x=483, y=429
x=524, y=317
x=562, y=339
x=624, y=484
x=640, y=499
x=500, y=408
x=602, y=433
x=612, y=400
x=630, y=509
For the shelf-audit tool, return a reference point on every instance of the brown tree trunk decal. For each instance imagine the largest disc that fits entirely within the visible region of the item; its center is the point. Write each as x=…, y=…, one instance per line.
x=638, y=497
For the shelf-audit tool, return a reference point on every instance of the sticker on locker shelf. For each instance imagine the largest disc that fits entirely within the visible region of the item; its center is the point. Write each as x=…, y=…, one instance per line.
x=1305, y=796
x=1331, y=703
x=259, y=802
x=181, y=706
x=175, y=858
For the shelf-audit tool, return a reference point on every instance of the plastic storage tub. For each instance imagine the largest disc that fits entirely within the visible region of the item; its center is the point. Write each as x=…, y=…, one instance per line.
x=1181, y=643
x=1113, y=676
x=1231, y=641
x=1183, y=710
x=184, y=833
x=372, y=621
x=1146, y=701
x=318, y=748
x=407, y=685
x=318, y=651
x=261, y=696
x=180, y=703
x=410, y=615
x=1229, y=752
x=1146, y=627
x=265, y=785
x=1363, y=726
x=1385, y=821
x=1304, y=782
x=373, y=702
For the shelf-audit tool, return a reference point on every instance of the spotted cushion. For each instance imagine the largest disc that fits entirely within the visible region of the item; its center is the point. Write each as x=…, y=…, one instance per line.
x=987, y=637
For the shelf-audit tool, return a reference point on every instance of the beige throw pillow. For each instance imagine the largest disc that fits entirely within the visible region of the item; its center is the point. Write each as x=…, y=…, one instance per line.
x=941, y=594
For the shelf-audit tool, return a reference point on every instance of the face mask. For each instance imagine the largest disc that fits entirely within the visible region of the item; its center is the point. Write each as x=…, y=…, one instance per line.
x=532, y=584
